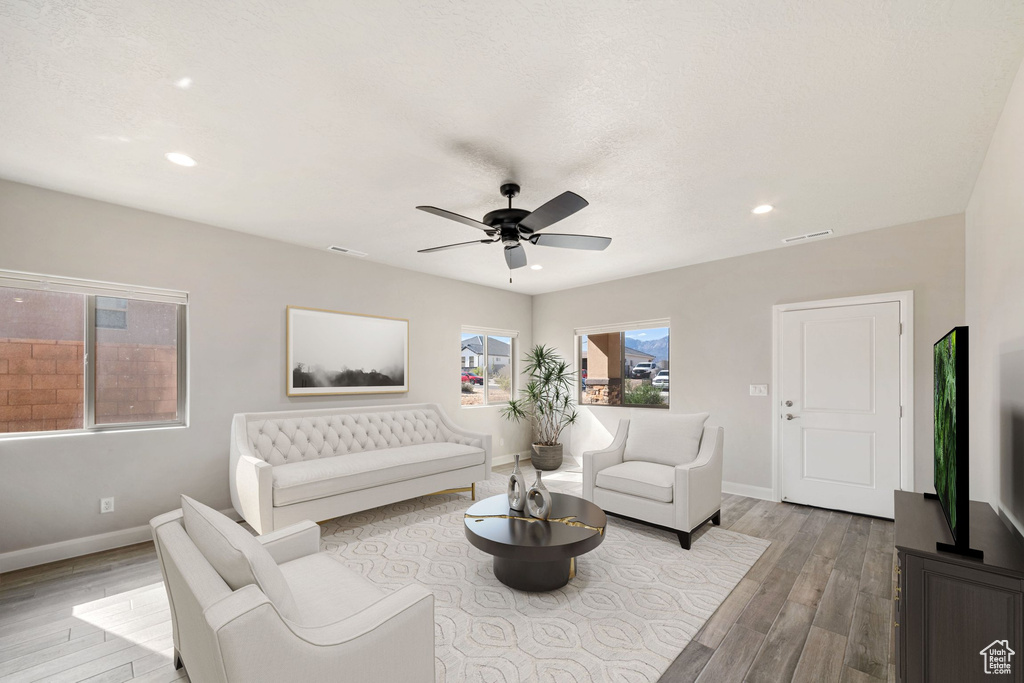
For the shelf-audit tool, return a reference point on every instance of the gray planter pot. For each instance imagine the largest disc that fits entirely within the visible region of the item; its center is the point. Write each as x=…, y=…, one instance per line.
x=547, y=457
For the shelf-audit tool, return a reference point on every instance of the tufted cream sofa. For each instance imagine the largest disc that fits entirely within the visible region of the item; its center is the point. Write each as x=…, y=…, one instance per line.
x=319, y=464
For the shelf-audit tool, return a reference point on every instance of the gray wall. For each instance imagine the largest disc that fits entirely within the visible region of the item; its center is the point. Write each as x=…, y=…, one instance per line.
x=995, y=313
x=721, y=317
x=239, y=286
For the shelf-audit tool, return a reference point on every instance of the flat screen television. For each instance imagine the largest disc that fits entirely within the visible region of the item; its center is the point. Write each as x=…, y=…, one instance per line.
x=952, y=464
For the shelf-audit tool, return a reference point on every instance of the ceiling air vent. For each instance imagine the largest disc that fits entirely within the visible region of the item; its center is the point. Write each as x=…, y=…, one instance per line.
x=808, y=236
x=349, y=252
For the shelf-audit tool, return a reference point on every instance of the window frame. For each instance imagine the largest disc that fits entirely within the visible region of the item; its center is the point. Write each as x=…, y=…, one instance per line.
x=619, y=328
x=484, y=333
x=90, y=290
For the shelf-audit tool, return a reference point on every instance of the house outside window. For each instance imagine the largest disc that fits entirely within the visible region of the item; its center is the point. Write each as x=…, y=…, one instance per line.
x=80, y=355
x=625, y=365
x=111, y=313
x=487, y=366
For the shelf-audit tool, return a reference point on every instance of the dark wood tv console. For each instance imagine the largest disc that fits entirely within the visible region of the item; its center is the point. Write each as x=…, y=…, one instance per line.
x=950, y=607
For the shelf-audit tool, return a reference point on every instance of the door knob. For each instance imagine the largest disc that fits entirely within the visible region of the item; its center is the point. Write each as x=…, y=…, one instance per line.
x=789, y=404
x=791, y=416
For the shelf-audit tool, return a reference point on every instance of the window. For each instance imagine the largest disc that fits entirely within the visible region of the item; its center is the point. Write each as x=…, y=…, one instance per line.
x=487, y=366
x=111, y=313
x=84, y=355
x=625, y=365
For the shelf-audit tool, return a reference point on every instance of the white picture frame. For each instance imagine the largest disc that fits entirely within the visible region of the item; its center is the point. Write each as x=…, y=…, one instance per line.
x=334, y=353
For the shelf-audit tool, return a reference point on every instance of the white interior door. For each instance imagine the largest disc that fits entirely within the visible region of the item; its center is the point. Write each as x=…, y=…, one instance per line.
x=840, y=407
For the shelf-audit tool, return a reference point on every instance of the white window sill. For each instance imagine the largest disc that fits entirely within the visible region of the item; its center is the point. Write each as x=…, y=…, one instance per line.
x=12, y=436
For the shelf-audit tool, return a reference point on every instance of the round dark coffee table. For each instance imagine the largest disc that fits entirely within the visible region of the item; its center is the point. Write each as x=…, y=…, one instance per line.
x=532, y=554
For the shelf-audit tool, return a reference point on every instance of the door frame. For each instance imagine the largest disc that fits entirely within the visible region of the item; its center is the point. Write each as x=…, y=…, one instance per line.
x=906, y=301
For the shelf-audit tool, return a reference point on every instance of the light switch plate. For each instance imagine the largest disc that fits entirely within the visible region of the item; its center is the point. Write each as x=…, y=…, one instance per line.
x=758, y=389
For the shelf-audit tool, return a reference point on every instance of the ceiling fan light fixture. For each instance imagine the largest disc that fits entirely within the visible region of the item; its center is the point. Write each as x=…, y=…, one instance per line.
x=762, y=209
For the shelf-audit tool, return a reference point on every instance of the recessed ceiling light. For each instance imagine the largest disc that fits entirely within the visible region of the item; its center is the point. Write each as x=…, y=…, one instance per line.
x=18, y=300
x=183, y=83
x=536, y=266
x=180, y=159
x=764, y=208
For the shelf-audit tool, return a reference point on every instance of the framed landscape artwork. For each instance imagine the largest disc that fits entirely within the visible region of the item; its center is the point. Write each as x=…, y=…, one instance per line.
x=331, y=352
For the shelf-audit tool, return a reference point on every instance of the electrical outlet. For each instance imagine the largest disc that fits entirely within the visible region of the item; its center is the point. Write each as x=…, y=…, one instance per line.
x=758, y=389
x=106, y=505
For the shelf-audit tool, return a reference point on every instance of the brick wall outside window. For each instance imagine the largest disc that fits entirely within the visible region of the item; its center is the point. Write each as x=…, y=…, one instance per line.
x=42, y=384
x=136, y=383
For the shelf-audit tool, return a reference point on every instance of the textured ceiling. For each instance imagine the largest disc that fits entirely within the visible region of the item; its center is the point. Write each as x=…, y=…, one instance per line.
x=327, y=122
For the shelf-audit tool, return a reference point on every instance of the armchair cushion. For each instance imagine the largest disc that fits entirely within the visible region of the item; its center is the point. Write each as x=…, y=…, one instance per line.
x=236, y=555
x=326, y=590
x=637, y=478
x=665, y=439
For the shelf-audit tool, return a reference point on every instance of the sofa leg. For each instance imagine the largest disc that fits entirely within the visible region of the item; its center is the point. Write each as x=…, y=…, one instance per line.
x=178, y=664
x=716, y=519
x=472, y=495
x=684, y=539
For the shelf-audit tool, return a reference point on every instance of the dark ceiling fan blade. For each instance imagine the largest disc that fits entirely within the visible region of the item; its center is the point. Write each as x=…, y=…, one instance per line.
x=554, y=239
x=454, y=246
x=456, y=217
x=562, y=206
x=515, y=257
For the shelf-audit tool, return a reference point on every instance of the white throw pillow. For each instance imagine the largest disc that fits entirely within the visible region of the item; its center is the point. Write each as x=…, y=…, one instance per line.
x=236, y=555
x=664, y=438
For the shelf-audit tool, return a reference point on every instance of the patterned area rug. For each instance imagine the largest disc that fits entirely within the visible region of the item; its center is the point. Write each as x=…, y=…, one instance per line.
x=635, y=603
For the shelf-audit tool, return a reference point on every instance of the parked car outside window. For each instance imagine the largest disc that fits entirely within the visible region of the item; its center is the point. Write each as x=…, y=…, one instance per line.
x=661, y=380
x=645, y=370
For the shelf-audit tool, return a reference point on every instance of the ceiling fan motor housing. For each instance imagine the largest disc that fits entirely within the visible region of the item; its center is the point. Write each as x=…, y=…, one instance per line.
x=505, y=222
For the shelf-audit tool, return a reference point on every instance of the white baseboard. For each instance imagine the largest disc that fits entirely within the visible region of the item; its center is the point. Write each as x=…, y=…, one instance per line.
x=732, y=488
x=505, y=459
x=76, y=547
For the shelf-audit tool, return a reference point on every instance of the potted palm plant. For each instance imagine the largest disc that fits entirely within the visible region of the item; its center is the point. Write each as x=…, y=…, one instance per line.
x=546, y=402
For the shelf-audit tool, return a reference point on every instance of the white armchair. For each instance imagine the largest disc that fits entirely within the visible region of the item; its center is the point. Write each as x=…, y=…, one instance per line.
x=661, y=469
x=274, y=608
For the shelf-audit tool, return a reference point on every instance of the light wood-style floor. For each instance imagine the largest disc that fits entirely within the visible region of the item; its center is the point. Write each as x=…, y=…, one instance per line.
x=816, y=607
x=101, y=617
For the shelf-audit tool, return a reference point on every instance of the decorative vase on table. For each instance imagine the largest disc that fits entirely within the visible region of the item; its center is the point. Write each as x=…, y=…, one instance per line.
x=517, y=489
x=538, y=499
x=547, y=457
